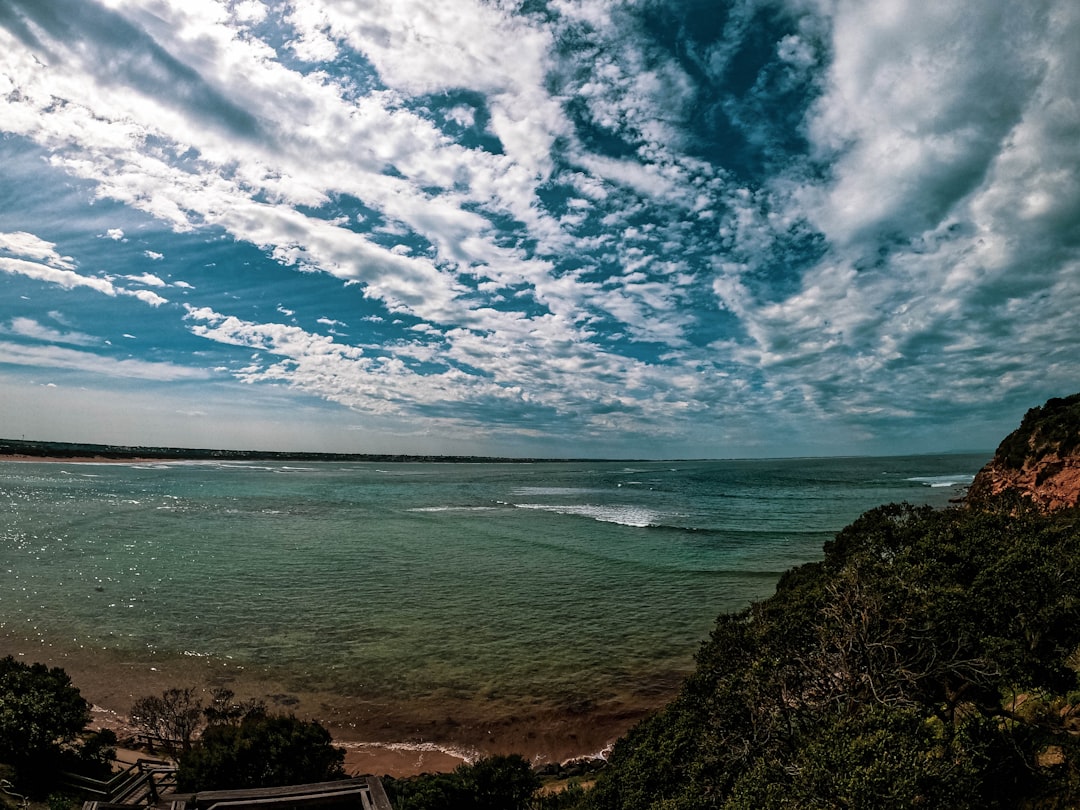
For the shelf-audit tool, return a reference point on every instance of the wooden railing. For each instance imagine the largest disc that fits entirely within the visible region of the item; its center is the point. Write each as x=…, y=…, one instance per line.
x=364, y=791
x=142, y=782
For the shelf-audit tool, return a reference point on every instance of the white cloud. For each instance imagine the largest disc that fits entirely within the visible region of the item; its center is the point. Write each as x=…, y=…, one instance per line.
x=29, y=246
x=95, y=364
x=29, y=328
x=149, y=279
x=68, y=279
x=147, y=297
x=116, y=234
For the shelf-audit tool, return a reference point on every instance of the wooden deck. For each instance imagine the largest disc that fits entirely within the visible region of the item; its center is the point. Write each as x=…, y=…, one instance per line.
x=362, y=793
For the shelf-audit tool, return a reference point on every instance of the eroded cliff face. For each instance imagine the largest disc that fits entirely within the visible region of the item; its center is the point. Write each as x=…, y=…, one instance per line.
x=1040, y=460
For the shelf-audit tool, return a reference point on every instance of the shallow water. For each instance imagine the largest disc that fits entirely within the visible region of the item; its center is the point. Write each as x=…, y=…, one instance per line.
x=505, y=587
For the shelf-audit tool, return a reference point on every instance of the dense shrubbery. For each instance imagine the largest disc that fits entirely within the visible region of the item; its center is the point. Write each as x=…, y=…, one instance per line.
x=492, y=783
x=928, y=661
x=260, y=751
x=1054, y=427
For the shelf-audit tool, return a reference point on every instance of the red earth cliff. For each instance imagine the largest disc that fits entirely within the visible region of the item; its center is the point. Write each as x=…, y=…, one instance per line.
x=1040, y=460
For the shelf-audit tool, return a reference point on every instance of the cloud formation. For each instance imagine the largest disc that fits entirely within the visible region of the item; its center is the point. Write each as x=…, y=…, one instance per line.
x=781, y=227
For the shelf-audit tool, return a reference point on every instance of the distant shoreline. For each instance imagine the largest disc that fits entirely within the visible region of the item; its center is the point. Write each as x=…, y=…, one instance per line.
x=23, y=450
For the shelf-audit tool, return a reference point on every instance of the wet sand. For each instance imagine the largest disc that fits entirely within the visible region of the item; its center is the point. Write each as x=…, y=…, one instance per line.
x=381, y=735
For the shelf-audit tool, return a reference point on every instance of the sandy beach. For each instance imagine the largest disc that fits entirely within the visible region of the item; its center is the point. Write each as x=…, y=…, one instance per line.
x=380, y=736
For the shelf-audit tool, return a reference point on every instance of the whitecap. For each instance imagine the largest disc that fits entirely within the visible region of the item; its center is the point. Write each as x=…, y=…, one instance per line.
x=958, y=479
x=451, y=509
x=635, y=516
x=467, y=755
x=555, y=490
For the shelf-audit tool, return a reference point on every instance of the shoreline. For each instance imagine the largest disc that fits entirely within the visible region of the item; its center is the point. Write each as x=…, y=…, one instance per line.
x=381, y=736
x=19, y=458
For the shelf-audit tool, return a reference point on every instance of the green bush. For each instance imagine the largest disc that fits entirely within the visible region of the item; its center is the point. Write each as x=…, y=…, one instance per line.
x=491, y=783
x=260, y=751
x=883, y=676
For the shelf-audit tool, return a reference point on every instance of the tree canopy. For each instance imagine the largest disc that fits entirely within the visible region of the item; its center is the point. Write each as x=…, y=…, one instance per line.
x=260, y=751
x=40, y=710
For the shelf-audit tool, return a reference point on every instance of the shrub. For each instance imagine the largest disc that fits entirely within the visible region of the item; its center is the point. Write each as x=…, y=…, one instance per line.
x=260, y=751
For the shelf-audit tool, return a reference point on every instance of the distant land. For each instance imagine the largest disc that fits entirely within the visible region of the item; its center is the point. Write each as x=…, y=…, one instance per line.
x=72, y=451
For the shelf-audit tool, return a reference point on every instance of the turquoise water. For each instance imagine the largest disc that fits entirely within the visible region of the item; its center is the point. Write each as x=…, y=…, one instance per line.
x=530, y=582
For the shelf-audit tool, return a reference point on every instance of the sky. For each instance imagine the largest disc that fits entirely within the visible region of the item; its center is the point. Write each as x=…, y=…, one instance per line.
x=554, y=228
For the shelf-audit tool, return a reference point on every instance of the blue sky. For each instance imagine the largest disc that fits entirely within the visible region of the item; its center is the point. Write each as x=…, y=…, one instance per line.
x=546, y=228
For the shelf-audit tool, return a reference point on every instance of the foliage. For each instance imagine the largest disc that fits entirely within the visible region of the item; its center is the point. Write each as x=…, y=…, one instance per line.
x=568, y=798
x=40, y=710
x=171, y=719
x=176, y=717
x=1054, y=427
x=491, y=783
x=924, y=662
x=260, y=751
x=41, y=716
x=225, y=708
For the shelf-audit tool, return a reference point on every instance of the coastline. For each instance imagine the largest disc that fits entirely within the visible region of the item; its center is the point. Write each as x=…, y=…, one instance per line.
x=380, y=736
x=18, y=458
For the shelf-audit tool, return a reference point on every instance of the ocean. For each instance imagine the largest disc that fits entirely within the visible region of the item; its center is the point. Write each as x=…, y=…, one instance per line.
x=445, y=596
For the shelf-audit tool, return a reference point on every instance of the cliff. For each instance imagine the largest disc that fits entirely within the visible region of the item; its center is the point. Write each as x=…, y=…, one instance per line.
x=1040, y=460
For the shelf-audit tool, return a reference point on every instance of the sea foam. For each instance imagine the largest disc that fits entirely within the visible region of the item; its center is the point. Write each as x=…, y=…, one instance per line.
x=955, y=480
x=635, y=516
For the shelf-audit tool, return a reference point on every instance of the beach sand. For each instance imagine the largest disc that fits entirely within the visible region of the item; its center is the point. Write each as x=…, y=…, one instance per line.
x=380, y=735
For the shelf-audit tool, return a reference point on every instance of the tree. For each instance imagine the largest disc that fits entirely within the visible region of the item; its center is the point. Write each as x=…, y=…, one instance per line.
x=42, y=716
x=171, y=719
x=175, y=718
x=225, y=708
x=40, y=711
x=260, y=751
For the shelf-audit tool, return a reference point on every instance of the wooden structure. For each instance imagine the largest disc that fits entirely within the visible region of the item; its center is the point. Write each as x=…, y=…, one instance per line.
x=358, y=793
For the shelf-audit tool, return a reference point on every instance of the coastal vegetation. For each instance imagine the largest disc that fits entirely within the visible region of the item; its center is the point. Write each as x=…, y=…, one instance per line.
x=1050, y=428
x=928, y=661
x=231, y=744
x=259, y=751
x=491, y=783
